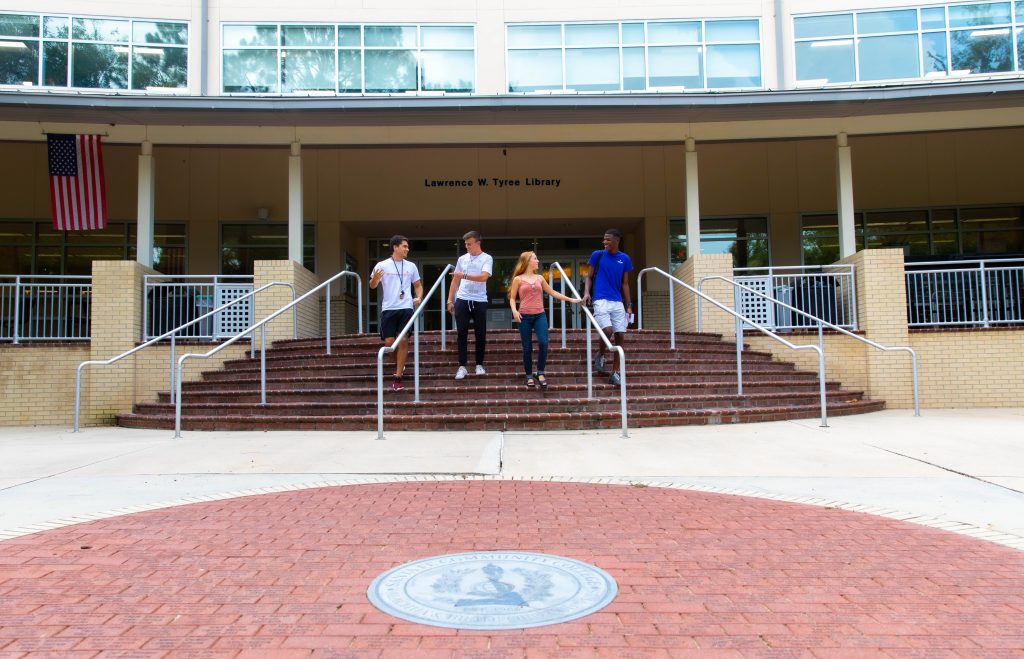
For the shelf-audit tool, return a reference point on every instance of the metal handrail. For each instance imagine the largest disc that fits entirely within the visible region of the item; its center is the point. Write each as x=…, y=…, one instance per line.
x=414, y=324
x=607, y=343
x=740, y=321
x=261, y=325
x=822, y=323
x=171, y=334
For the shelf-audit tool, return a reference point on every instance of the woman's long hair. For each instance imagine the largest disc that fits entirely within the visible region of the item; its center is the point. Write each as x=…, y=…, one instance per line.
x=521, y=266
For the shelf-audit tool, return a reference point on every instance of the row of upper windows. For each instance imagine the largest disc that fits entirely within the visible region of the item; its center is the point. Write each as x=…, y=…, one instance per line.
x=709, y=54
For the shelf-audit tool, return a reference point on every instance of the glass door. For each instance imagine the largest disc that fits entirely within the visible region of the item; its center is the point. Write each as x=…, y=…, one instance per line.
x=577, y=269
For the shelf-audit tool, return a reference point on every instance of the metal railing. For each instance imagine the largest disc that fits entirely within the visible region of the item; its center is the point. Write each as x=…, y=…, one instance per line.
x=740, y=322
x=172, y=335
x=262, y=326
x=982, y=292
x=608, y=344
x=173, y=300
x=414, y=325
x=821, y=324
x=827, y=292
x=45, y=308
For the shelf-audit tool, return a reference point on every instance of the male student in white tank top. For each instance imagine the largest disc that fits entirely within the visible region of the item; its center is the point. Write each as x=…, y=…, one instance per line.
x=467, y=299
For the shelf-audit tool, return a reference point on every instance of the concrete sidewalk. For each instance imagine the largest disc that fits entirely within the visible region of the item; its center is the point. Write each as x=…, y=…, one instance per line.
x=957, y=465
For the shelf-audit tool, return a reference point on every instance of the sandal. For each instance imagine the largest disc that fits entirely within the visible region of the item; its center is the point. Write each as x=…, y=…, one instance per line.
x=542, y=381
x=530, y=383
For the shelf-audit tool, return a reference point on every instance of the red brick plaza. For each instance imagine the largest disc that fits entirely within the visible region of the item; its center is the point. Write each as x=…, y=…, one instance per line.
x=285, y=575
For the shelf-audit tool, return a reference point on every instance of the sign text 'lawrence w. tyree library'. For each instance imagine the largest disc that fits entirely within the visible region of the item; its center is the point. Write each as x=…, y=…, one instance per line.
x=494, y=182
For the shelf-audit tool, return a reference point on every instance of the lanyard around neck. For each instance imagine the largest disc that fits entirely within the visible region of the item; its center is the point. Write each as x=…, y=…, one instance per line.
x=400, y=273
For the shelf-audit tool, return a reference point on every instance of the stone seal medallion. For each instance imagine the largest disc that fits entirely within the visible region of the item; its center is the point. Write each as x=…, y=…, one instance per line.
x=492, y=590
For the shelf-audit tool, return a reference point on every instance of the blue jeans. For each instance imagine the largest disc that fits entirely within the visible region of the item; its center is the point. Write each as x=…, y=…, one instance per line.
x=534, y=322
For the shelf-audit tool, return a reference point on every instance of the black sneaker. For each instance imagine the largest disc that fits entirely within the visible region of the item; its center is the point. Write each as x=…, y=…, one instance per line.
x=599, y=363
x=615, y=379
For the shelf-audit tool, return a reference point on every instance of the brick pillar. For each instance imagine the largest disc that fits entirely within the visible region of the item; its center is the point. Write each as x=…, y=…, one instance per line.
x=691, y=272
x=117, y=307
x=269, y=301
x=882, y=317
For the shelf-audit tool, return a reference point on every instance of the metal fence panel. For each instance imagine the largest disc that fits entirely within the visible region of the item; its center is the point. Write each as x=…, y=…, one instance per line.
x=45, y=308
x=174, y=301
x=984, y=293
x=825, y=292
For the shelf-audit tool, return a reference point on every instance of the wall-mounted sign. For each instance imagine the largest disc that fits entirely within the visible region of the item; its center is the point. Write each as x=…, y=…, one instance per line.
x=494, y=182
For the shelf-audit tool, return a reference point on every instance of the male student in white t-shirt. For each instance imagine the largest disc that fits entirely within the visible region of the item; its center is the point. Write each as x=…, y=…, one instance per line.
x=467, y=299
x=399, y=278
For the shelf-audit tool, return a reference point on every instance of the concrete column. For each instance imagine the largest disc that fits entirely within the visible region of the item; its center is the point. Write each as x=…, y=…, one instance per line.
x=692, y=201
x=147, y=206
x=844, y=200
x=295, y=203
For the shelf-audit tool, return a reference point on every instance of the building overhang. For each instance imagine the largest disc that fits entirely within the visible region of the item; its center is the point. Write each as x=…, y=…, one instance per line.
x=541, y=118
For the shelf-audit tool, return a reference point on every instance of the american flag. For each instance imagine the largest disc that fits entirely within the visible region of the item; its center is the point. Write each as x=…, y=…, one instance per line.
x=77, y=190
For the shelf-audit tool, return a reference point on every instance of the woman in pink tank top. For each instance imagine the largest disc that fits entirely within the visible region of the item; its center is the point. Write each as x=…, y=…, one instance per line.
x=526, y=297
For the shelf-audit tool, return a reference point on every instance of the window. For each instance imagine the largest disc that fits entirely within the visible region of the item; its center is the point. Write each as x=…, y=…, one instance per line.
x=348, y=59
x=745, y=238
x=30, y=247
x=920, y=233
x=93, y=53
x=241, y=245
x=634, y=56
x=899, y=44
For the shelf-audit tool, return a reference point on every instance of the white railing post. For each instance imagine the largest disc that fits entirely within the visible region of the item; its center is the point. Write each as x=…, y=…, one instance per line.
x=984, y=295
x=263, y=365
x=564, y=311
x=671, y=315
x=416, y=358
x=380, y=392
x=640, y=301
x=17, y=308
x=171, y=368
x=739, y=357
x=327, y=320
x=145, y=315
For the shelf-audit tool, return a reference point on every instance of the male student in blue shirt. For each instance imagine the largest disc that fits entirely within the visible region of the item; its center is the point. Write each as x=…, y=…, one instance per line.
x=613, y=305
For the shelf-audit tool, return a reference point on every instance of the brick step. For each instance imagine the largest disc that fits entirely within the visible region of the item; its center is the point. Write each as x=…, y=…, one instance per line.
x=473, y=382
x=501, y=421
x=346, y=354
x=509, y=368
x=458, y=391
x=402, y=403
x=477, y=383
x=502, y=335
x=338, y=347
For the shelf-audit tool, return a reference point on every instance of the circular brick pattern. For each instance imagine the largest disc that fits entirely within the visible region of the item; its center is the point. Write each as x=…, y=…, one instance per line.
x=286, y=574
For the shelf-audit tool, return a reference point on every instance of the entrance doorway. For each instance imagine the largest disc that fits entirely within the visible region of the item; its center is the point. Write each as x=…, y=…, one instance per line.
x=432, y=255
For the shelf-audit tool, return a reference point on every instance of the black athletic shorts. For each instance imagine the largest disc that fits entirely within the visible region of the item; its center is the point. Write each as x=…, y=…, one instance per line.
x=392, y=321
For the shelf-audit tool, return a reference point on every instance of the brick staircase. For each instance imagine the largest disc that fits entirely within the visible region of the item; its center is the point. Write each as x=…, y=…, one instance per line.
x=308, y=390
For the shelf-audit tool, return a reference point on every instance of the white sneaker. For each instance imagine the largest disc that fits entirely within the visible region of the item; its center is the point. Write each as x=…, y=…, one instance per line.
x=480, y=370
x=461, y=373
